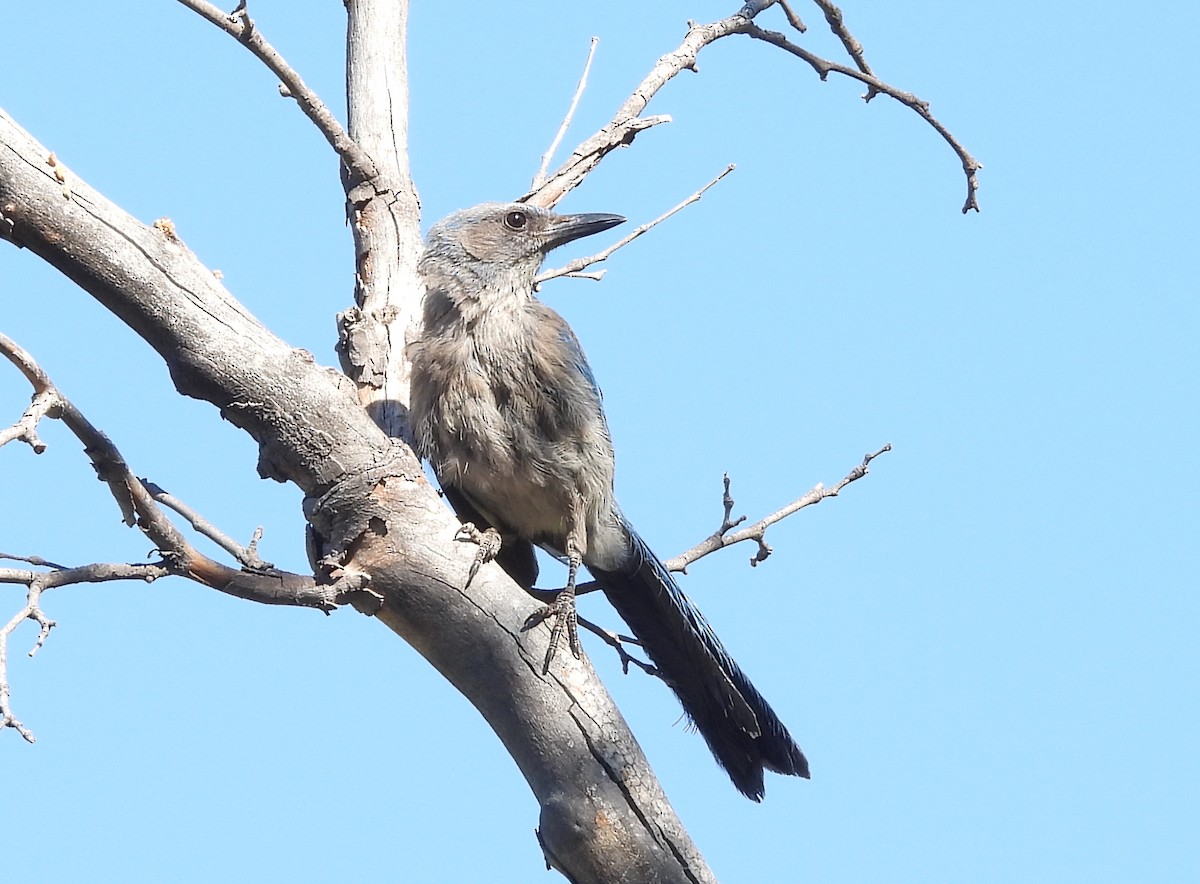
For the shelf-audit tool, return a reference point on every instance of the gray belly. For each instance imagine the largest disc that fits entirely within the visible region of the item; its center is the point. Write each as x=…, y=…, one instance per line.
x=524, y=464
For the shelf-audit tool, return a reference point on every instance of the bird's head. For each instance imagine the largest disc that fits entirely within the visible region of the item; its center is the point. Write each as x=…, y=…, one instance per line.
x=509, y=237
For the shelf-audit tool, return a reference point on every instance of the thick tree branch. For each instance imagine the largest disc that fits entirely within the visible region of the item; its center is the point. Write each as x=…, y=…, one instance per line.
x=384, y=214
x=375, y=519
x=382, y=204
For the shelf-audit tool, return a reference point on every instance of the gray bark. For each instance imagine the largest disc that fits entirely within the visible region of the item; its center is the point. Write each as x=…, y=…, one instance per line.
x=603, y=815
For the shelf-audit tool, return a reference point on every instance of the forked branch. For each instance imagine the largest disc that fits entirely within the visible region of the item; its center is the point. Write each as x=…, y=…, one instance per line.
x=139, y=504
x=136, y=500
x=725, y=536
x=628, y=121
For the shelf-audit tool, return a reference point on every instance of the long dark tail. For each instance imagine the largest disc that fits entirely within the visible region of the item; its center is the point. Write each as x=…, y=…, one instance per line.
x=742, y=731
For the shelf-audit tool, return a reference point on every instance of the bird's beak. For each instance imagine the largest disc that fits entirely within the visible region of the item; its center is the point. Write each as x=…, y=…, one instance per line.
x=565, y=228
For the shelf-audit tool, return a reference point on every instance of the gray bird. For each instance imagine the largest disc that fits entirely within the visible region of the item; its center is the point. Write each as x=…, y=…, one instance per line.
x=505, y=408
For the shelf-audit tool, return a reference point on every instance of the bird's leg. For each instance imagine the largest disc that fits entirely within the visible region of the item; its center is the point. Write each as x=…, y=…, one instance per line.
x=566, y=619
x=488, y=542
x=562, y=609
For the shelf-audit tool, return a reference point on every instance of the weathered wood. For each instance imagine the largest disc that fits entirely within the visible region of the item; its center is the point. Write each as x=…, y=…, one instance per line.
x=603, y=815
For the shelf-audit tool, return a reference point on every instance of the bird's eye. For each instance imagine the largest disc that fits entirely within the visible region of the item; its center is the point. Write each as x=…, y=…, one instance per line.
x=516, y=220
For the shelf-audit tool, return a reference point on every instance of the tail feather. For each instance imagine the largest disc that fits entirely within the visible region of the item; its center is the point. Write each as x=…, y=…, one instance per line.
x=741, y=729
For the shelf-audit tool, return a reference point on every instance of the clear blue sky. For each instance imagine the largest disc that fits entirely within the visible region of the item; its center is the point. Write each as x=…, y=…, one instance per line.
x=988, y=647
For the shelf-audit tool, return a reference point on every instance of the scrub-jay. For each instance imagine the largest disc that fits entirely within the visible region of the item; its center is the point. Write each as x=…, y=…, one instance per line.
x=505, y=408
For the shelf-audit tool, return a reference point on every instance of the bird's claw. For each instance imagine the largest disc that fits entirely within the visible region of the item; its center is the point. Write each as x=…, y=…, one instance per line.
x=566, y=620
x=488, y=542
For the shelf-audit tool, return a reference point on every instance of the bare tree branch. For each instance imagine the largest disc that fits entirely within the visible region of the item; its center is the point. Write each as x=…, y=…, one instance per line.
x=25, y=429
x=261, y=582
x=617, y=642
x=36, y=582
x=718, y=540
x=382, y=205
x=31, y=611
x=628, y=122
x=247, y=555
x=540, y=177
x=384, y=214
x=31, y=560
x=379, y=531
x=240, y=26
x=574, y=268
x=854, y=49
x=721, y=538
x=374, y=516
x=792, y=17
x=823, y=67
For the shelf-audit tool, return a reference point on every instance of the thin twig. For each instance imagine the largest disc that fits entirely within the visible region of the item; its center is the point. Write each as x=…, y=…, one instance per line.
x=617, y=642
x=260, y=582
x=728, y=523
x=824, y=67
x=540, y=178
x=628, y=121
x=239, y=25
x=37, y=582
x=25, y=428
x=574, y=268
x=96, y=572
x=32, y=560
x=854, y=49
x=722, y=537
x=792, y=17
x=31, y=611
x=247, y=556
x=20, y=357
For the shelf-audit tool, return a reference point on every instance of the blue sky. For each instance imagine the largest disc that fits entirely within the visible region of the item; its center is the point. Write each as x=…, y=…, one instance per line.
x=987, y=647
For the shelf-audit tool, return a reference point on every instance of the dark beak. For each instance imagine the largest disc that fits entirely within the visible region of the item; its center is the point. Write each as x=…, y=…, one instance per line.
x=566, y=228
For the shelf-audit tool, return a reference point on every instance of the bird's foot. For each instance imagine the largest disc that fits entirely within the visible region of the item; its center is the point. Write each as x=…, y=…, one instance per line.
x=566, y=620
x=488, y=542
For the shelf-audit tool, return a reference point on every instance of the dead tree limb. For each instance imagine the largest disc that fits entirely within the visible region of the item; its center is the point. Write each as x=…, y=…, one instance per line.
x=375, y=517
x=628, y=121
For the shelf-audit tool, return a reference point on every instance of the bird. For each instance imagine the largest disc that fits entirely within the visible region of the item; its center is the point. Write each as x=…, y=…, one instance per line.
x=505, y=408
